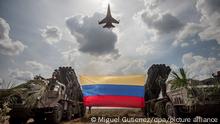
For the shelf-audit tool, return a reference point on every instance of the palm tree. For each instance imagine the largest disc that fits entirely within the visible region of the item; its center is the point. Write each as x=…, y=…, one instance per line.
x=179, y=79
x=5, y=89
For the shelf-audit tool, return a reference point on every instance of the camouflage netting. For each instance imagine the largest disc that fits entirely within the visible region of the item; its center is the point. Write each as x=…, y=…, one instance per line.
x=28, y=92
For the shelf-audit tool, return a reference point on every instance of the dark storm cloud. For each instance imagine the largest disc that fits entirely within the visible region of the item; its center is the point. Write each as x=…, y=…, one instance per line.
x=165, y=23
x=7, y=45
x=210, y=5
x=208, y=27
x=168, y=23
x=92, y=38
x=210, y=10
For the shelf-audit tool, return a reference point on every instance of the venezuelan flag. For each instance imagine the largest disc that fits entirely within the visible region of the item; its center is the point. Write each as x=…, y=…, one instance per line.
x=113, y=91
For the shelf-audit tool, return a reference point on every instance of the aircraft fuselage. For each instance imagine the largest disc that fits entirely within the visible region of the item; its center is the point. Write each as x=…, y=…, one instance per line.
x=108, y=20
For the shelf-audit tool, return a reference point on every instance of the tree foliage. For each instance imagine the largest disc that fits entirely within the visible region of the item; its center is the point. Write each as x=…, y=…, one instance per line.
x=179, y=79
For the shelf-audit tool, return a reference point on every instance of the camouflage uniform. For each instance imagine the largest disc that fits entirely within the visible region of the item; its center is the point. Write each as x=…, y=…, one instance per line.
x=162, y=84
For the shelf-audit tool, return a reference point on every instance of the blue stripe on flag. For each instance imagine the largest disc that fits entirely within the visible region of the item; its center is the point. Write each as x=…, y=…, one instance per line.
x=115, y=90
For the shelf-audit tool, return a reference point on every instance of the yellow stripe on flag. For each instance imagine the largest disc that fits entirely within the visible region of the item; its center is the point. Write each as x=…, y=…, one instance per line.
x=136, y=80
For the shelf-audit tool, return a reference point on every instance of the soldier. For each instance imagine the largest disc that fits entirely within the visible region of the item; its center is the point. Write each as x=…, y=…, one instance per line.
x=162, y=84
x=90, y=111
x=162, y=80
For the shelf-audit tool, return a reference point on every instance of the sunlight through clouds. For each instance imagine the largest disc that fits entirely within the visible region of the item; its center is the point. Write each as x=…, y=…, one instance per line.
x=150, y=31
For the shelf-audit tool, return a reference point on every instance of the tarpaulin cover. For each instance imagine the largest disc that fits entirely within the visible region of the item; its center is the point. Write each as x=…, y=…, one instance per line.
x=113, y=91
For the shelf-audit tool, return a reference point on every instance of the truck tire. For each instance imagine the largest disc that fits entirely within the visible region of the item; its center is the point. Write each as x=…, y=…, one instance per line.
x=39, y=118
x=149, y=109
x=17, y=120
x=159, y=109
x=82, y=106
x=69, y=113
x=171, y=111
x=56, y=116
x=81, y=112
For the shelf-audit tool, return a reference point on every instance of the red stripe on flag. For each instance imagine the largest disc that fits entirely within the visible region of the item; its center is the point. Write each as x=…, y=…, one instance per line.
x=114, y=101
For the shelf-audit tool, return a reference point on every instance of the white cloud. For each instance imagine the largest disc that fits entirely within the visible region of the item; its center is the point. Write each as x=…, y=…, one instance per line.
x=72, y=58
x=121, y=66
x=1, y=81
x=174, y=67
x=163, y=22
x=95, y=67
x=210, y=10
x=20, y=75
x=146, y=50
x=133, y=67
x=36, y=66
x=189, y=32
x=200, y=67
x=211, y=33
x=187, y=59
x=2, y=85
x=7, y=45
x=158, y=29
x=52, y=34
x=184, y=44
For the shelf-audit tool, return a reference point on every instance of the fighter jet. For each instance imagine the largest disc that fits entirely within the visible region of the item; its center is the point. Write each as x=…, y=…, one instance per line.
x=108, y=20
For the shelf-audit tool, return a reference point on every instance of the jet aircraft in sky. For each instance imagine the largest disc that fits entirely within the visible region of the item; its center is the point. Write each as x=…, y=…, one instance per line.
x=108, y=20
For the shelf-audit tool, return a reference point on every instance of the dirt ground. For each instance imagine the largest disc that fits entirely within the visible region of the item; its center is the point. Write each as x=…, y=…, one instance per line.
x=109, y=116
x=117, y=116
x=111, y=113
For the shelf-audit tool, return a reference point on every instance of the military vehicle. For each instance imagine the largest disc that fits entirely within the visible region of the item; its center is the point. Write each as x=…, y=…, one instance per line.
x=198, y=98
x=61, y=98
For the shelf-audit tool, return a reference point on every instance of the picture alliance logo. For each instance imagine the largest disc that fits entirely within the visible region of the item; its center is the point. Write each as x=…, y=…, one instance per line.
x=194, y=120
x=103, y=119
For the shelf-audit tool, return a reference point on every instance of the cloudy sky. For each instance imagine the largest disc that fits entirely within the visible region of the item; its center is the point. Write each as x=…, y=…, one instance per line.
x=38, y=36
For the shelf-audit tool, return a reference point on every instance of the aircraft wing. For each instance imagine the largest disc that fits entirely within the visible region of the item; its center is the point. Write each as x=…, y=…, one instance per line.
x=114, y=21
x=103, y=21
